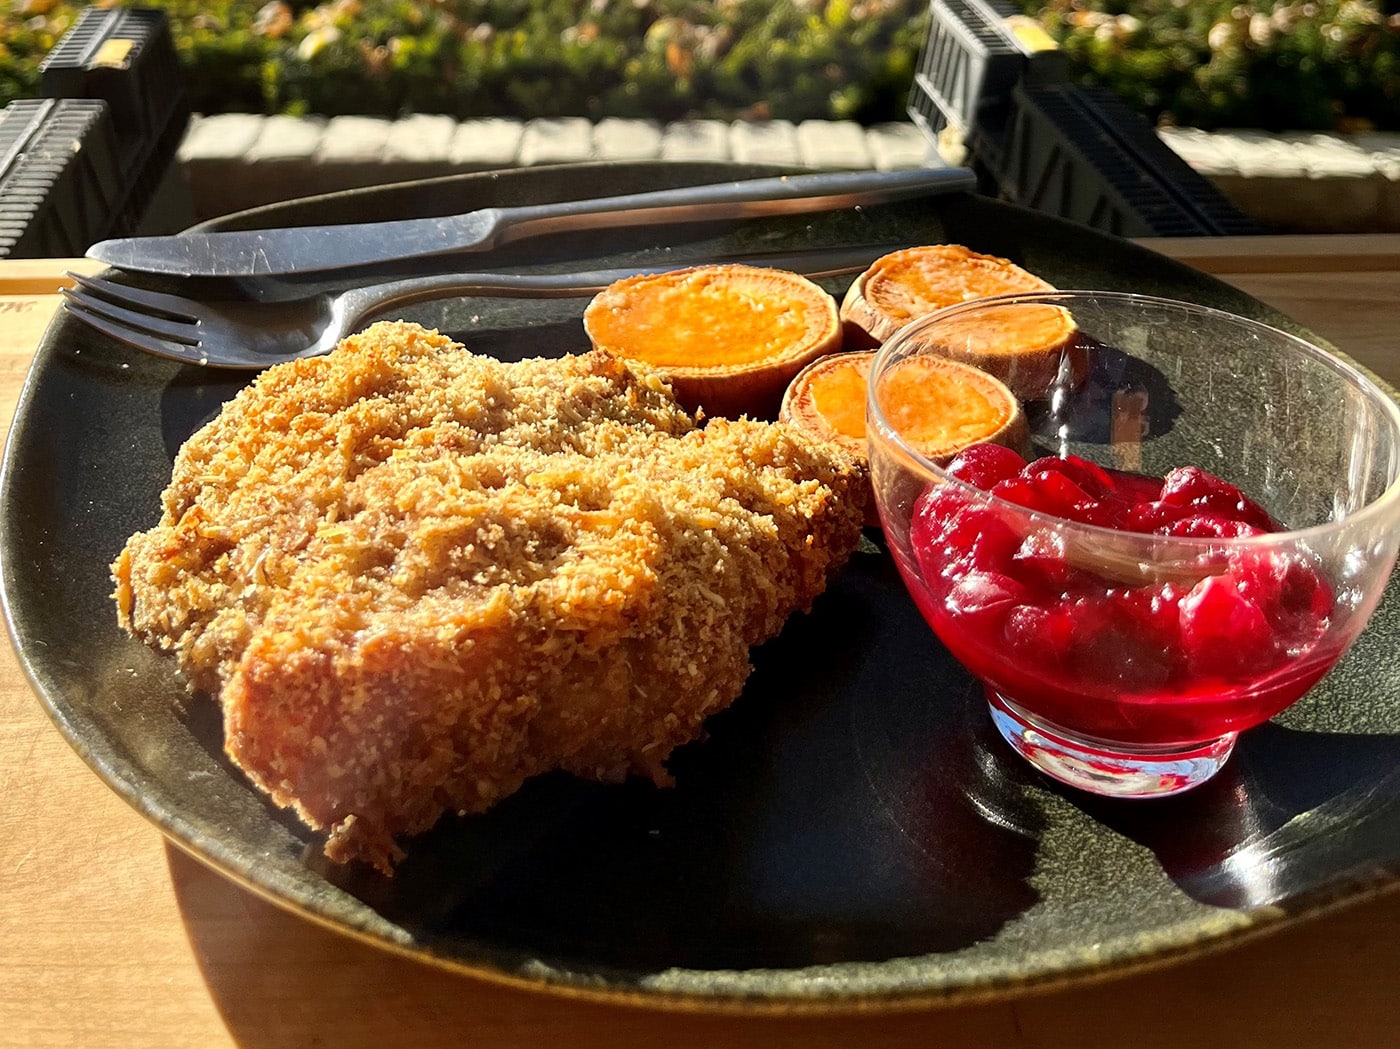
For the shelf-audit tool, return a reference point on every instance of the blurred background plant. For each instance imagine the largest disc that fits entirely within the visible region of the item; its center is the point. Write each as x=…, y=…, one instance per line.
x=1320, y=64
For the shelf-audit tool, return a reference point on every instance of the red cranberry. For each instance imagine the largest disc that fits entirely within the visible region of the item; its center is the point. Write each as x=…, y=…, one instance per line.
x=1040, y=560
x=1041, y=634
x=1091, y=477
x=1209, y=526
x=1295, y=599
x=1117, y=649
x=983, y=465
x=981, y=600
x=1135, y=488
x=980, y=539
x=1153, y=610
x=1191, y=486
x=1223, y=633
x=1015, y=595
x=1154, y=516
x=1045, y=491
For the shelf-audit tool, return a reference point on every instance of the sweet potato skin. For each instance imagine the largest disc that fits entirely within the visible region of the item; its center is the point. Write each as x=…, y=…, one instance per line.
x=904, y=285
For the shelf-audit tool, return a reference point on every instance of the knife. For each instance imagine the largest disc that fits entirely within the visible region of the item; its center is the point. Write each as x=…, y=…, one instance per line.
x=317, y=249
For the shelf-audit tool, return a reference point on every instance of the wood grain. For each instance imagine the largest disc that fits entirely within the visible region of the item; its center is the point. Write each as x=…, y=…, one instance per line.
x=1324, y=253
x=1355, y=310
x=110, y=938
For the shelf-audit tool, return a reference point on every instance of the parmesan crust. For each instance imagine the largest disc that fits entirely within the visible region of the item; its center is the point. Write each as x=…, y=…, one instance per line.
x=415, y=577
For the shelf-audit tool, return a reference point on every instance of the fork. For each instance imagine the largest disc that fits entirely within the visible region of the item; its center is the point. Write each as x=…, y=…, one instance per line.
x=249, y=335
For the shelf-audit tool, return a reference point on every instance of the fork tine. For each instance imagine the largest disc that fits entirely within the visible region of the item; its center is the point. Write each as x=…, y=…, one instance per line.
x=177, y=331
x=174, y=351
x=171, y=306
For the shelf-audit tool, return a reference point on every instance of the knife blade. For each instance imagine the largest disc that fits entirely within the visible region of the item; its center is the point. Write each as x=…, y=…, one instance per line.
x=319, y=249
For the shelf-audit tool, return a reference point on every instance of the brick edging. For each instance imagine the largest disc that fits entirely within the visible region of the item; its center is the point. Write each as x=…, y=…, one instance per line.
x=1308, y=182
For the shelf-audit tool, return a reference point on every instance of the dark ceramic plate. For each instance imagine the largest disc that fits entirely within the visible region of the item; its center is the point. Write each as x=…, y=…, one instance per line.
x=852, y=833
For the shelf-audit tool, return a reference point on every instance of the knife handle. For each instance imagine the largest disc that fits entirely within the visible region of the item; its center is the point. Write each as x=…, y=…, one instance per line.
x=749, y=198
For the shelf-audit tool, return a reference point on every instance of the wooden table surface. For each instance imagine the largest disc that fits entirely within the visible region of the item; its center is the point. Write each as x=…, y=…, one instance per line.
x=110, y=937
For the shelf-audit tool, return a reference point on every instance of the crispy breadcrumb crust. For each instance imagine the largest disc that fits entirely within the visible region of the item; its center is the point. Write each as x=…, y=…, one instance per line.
x=415, y=577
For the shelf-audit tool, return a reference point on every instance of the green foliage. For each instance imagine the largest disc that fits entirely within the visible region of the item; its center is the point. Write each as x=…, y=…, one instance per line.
x=1270, y=63
x=666, y=59
x=1273, y=64
x=25, y=38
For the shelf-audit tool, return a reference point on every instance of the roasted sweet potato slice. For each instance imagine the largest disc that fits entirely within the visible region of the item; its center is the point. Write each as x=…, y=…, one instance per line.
x=1030, y=351
x=939, y=406
x=729, y=338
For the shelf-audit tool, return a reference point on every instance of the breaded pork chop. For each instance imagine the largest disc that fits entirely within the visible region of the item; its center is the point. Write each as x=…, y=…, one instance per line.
x=415, y=577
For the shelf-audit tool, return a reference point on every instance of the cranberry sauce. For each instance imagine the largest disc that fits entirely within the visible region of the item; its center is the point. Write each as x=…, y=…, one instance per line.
x=1125, y=656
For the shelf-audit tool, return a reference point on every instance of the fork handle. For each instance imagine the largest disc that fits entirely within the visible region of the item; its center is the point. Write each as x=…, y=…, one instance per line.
x=356, y=305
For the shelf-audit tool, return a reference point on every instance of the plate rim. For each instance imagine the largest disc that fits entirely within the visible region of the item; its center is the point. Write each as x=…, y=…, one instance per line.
x=1338, y=894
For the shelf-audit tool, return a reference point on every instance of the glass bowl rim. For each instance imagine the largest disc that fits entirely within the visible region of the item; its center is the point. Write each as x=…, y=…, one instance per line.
x=1385, y=507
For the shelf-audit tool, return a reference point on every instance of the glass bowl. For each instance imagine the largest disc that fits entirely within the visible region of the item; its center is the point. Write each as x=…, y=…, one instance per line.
x=1125, y=662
